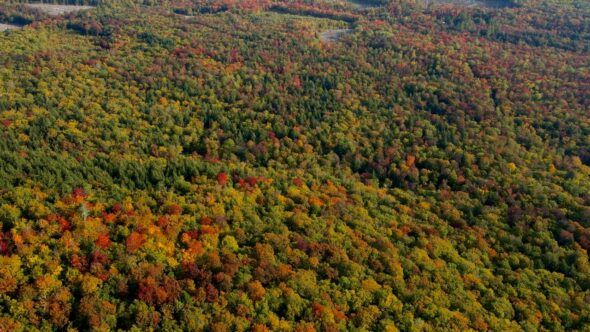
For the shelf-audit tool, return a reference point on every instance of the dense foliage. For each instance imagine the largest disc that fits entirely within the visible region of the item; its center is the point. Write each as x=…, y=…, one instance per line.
x=211, y=165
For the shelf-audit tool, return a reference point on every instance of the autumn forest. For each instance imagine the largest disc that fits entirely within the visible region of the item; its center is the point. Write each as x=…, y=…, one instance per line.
x=295, y=165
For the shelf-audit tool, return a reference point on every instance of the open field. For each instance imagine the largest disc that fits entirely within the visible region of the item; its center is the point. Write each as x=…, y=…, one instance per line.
x=56, y=10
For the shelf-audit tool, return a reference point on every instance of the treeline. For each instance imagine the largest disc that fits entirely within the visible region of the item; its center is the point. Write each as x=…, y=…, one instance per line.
x=313, y=11
x=61, y=2
x=19, y=15
x=551, y=24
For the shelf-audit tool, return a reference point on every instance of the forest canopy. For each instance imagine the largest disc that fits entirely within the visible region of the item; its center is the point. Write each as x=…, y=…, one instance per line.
x=221, y=165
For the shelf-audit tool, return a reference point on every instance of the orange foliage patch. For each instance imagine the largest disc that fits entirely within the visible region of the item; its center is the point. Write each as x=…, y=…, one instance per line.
x=134, y=241
x=103, y=241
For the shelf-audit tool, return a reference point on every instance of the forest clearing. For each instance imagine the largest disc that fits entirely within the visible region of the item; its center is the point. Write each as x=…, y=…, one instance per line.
x=334, y=35
x=4, y=27
x=57, y=10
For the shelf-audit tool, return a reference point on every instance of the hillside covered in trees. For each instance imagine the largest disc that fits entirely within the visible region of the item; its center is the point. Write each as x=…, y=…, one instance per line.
x=217, y=165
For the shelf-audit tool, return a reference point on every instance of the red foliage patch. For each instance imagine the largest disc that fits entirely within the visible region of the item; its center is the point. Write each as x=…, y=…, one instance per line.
x=222, y=178
x=148, y=291
x=117, y=208
x=252, y=181
x=4, y=247
x=212, y=293
x=79, y=192
x=174, y=209
x=64, y=224
x=206, y=221
x=153, y=292
x=163, y=221
x=99, y=258
x=248, y=182
x=77, y=262
x=193, y=234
